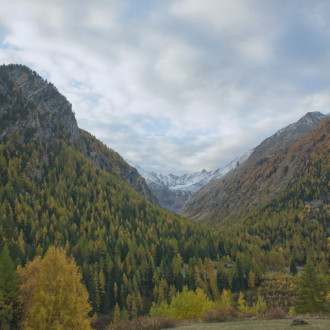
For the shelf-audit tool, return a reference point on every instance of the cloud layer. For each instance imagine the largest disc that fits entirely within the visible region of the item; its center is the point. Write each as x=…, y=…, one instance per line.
x=177, y=86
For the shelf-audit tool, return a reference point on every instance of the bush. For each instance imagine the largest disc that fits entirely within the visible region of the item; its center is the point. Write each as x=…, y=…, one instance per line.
x=161, y=309
x=292, y=311
x=226, y=299
x=276, y=313
x=221, y=315
x=145, y=323
x=185, y=305
x=259, y=307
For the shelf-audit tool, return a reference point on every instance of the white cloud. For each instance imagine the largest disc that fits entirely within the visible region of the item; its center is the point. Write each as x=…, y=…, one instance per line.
x=177, y=85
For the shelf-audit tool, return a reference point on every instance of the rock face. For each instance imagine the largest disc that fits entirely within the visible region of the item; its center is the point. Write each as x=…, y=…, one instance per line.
x=36, y=110
x=172, y=200
x=40, y=109
x=264, y=174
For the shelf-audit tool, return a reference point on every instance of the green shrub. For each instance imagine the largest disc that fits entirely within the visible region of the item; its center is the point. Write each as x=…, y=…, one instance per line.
x=185, y=305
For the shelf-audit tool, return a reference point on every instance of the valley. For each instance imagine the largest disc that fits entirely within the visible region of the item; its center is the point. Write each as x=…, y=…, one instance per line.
x=245, y=229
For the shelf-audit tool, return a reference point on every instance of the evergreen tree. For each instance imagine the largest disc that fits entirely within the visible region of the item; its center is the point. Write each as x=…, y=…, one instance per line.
x=8, y=289
x=293, y=267
x=311, y=294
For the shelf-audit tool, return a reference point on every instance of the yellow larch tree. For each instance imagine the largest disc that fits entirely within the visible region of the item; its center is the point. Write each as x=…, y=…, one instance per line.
x=59, y=300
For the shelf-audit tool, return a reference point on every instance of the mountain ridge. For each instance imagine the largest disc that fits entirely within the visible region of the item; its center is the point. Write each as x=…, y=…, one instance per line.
x=175, y=191
x=286, y=135
x=37, y=110
x=264, y=174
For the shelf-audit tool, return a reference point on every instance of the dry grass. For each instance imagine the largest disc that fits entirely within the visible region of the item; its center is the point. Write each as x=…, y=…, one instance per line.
x=313, y=324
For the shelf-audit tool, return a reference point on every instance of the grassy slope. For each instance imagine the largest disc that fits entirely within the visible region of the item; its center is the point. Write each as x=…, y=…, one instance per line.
x=259, y=324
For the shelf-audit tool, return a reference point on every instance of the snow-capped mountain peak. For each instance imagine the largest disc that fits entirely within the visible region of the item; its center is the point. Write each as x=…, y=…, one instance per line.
x=189, y=182
x=174, y=191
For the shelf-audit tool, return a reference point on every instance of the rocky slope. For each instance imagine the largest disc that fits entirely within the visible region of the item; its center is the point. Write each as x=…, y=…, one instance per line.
x=110, y=161
x=286, y=136
x=35, y=109
x=174, y=191
x=263, y=175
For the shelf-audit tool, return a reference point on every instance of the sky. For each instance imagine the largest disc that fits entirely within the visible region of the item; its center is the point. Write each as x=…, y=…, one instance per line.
x=177, y=86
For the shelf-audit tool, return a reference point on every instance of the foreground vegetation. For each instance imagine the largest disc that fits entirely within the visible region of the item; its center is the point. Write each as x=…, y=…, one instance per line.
x=48, y=293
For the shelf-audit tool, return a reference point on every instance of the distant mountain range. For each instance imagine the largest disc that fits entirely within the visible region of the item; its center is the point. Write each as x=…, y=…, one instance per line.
x=175, y=192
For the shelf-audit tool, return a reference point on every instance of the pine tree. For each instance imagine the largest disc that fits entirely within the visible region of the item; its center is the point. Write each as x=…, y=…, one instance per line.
x=311, y=294
x=293, y=267
x=59, y=300
x=8, y=289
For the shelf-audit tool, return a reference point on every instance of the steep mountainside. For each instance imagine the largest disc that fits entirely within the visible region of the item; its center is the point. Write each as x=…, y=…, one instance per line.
x=174, y=191
x=285, y=136
x=264, y=174
x=52, y=194
x=110, y=161
x=36, y=110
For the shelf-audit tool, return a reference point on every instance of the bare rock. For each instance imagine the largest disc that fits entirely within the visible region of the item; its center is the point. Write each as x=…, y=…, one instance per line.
x=298, y=321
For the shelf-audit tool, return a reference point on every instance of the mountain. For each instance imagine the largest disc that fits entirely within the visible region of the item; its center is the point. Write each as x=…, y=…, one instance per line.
x=59, y=186
x=286, y=136
x=265, y=173
x=174, y=191
x=34, y=108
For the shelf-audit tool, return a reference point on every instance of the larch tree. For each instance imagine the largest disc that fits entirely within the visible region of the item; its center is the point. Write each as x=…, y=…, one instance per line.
x=28, y=279
x=59, y=300
x=312, y=292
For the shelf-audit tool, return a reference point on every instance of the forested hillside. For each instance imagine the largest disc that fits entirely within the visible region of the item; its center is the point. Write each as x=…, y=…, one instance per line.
x=295, y=224
x=60, y=189
x=34, y=108
x=116, y=236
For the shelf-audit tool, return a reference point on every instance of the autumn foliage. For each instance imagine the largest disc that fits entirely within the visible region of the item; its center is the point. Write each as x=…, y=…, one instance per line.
x=53, y=294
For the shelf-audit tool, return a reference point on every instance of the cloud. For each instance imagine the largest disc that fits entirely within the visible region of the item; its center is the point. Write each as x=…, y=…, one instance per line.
x=177, y=86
